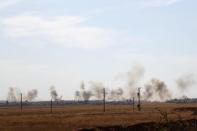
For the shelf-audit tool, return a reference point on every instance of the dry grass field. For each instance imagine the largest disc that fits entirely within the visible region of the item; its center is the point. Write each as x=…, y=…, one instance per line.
x=74, y=117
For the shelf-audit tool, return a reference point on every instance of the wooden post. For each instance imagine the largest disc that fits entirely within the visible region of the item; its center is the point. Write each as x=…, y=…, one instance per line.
x=51, y=105
x=103, y=99
x=139, y=103
x=133, y=104
x=21, y=102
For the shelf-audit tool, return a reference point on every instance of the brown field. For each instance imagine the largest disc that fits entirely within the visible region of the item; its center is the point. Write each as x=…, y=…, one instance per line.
x=73, y=117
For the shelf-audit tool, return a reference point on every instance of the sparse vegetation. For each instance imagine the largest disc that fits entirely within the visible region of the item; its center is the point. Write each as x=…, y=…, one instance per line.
x=74, y=117
x=164, y=115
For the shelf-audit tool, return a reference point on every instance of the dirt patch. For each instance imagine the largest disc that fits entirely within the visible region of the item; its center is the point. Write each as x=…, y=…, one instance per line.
x=185, y=109
x=192, y=109
x=186, y=125
x=194, y=113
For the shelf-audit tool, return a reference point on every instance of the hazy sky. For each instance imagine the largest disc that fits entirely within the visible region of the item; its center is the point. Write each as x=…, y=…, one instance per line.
x=62, y=42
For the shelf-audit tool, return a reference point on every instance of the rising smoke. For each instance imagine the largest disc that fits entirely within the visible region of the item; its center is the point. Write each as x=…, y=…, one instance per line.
x=77, y=95
x=85, y=94
x=97, y=89
x=13, y=94
x=116, y=94
x=185, y=81
x=156, y=88
x=54, y=94
x=134, y=77
x=31, y=95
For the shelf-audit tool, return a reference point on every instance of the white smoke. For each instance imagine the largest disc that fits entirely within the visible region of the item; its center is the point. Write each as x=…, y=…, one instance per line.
x=13, y=94
x=31, y=95
x=134, y=77
x=54, y=94
x=97, y=89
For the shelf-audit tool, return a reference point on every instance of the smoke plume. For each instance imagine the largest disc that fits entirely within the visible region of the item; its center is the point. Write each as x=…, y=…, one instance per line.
x=134, y=77
x=156, y=88
x=85, y=94
x=13, y=94
x=54, y=94
x=116, y=94
x=31, y=95
x=77, y=95
x=185, y=82
x=97, y=89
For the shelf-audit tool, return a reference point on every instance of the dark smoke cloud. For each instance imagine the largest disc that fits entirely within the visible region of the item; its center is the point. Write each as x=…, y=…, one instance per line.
x=54, y=94
x=156, y=88
x=77, y=95
x=116, y=94
x=149, y=91
x=31, y=95
x=13, y=94
x=185, y=81
x=134, y=77
x=85, y=94
x=97, y=89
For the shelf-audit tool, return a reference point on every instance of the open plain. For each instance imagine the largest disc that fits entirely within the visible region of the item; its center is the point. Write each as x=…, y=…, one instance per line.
x=75, y=117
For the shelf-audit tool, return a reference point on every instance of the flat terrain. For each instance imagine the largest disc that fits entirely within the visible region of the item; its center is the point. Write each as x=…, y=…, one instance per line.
x=74, y=117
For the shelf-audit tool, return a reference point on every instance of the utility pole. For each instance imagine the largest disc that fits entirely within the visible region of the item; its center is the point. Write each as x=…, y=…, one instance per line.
x=139, y=103
x=133, y=103
x=21, y=102
x=103, y=99
x=51, y=105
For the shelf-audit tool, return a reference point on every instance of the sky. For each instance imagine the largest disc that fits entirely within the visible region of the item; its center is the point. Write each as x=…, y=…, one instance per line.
x=64, y=42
